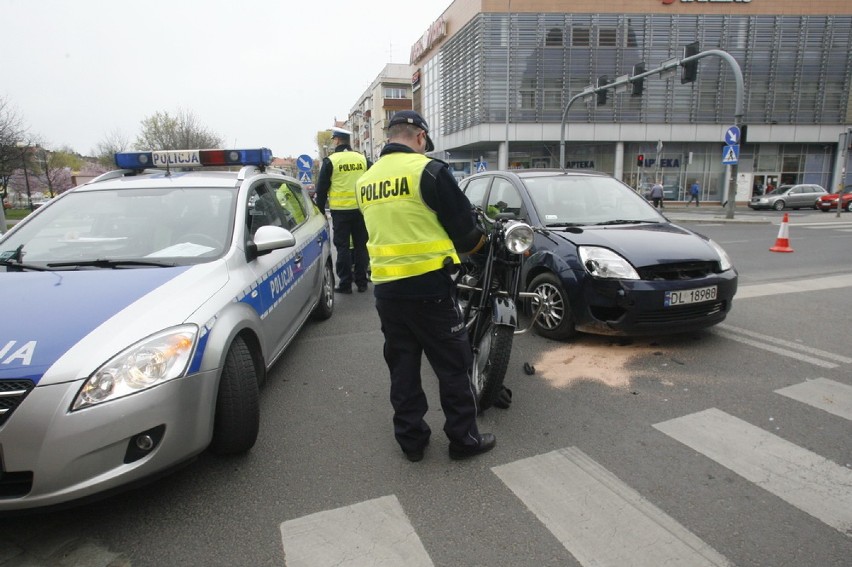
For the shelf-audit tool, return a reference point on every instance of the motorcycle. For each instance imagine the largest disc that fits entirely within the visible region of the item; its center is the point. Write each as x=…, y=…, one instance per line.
x=488, y=292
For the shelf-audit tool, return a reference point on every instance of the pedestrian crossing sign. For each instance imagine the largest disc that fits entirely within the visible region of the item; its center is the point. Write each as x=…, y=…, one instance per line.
x=481, y=166
x=730, y=155
x=305, y=177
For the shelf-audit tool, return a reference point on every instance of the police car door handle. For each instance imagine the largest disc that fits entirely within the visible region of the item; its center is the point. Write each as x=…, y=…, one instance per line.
x=298, y=259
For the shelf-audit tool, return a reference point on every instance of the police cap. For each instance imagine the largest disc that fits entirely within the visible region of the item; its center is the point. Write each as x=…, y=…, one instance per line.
x=340, y=133
x=412, y=117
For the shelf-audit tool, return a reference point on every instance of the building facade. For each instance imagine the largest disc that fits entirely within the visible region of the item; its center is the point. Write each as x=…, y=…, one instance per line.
x=389, y=92
x=494, y=77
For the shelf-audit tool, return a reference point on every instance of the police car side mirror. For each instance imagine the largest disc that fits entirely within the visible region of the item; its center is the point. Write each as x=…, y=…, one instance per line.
x=269, y=238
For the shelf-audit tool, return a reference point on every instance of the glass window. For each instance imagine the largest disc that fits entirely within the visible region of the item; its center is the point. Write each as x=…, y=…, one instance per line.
x=291, y=198
x=396, y=92
x=581, y=36
x=504, y=198
x=263, y=209
x=553, y=38
x=607, y=37
x=475, y=190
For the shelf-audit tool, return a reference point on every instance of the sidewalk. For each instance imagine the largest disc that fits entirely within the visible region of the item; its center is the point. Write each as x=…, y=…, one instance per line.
x=713, y=212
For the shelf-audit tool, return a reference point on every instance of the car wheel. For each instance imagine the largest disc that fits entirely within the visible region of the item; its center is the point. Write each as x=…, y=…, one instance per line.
x=555, y=320
x=778, y=205
x=848, y=207
x=237, y=419
x=325, y=306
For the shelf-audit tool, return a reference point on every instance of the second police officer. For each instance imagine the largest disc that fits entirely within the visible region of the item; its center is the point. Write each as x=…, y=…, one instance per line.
x=336, y=186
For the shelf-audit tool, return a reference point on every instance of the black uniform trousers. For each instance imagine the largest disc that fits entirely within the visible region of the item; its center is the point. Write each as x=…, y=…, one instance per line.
x=436, y=328
x=345, y=225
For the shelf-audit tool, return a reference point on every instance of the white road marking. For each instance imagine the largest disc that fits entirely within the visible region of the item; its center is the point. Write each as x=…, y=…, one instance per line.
x=822, y=393
x=373, y=533
x=600, y=520
x=809, y=482
x=766, y=342
x=795, y=286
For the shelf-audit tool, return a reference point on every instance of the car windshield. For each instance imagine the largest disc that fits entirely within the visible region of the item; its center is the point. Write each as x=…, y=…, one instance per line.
x=584, y=200
x=125, y=228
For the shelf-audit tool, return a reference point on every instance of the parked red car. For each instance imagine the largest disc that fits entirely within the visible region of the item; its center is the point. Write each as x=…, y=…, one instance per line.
x=829, y=202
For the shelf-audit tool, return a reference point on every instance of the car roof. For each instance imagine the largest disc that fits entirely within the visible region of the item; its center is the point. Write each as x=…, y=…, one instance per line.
x=545, y=172
x=123, y=179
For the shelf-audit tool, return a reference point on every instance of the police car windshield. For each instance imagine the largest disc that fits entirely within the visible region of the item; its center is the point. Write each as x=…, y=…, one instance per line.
x=128, y=227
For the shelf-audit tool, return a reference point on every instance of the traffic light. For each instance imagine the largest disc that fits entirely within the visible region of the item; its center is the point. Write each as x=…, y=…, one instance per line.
x=638, y=84
x=743, y=132
x=690, y=70
x=602, y=82
x=640, y=160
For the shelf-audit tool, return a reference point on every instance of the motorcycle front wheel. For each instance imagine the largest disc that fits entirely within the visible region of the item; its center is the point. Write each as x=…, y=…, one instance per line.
x=490, y=362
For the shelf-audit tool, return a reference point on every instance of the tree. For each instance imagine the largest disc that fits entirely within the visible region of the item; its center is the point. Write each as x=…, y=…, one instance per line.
x=113, y=143
x=324, y=143
x=56, y=168
x=182, y=131
x=12, y=132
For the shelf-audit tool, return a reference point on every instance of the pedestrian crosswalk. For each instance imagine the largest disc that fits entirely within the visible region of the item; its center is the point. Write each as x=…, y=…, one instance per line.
x=598, y=518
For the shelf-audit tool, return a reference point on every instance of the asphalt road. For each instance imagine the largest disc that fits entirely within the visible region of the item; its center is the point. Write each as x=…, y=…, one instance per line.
x=729, y=446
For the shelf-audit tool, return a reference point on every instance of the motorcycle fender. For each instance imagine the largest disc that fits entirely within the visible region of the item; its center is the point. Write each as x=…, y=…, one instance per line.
x=504, y=312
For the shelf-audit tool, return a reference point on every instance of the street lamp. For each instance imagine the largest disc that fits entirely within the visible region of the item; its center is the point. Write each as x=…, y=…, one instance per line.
x=25, y=146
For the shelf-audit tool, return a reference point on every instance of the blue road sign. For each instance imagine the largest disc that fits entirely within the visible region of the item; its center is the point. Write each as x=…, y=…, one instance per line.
x=481, y=166
x=305, y=177
x=730, y=155
x=732, y=136
x=304, y=162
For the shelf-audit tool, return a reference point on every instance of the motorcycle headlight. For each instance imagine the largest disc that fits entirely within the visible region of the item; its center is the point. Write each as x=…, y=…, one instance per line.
x=157, y=359
x=724, y=260
x=519, y=237
x=604, y=263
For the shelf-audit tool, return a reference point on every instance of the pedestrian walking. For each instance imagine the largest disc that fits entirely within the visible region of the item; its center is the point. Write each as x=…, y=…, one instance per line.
x=694, y=193
x=657, y=194
x=418, y=221
x=336, y=187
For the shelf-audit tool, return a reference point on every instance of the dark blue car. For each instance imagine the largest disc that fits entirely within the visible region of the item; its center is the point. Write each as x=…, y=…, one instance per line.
x=604, y=260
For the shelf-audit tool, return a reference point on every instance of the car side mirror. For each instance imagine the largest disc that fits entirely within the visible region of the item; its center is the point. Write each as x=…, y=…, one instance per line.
x=269, y=238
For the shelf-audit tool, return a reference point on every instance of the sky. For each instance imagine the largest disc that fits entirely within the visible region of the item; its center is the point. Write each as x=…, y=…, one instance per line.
x=258, y=73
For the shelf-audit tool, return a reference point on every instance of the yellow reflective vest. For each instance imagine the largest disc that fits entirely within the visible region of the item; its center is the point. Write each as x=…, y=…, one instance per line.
x=348, y=167
x=405, y=237
x=290, y=203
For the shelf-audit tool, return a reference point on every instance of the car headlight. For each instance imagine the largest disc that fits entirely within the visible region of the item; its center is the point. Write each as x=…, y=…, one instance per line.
x=724, y=260
x=604, y=263
x=519, y=237
x=157, y=359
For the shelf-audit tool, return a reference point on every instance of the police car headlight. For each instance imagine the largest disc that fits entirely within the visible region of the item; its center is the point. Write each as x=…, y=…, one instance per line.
x=519, y=237
x=157, y=359
x=604, y=263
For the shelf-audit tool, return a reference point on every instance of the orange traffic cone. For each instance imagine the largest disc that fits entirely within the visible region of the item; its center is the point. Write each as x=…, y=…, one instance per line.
x=782, y=243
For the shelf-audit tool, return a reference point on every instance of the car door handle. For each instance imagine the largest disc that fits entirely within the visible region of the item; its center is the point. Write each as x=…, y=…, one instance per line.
x=298, y=259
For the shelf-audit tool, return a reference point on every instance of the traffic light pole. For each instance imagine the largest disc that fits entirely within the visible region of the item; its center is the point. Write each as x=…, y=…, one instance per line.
x=670, y=65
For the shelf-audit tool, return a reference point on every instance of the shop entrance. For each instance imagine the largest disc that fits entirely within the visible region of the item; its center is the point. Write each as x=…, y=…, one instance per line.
x=764, y=183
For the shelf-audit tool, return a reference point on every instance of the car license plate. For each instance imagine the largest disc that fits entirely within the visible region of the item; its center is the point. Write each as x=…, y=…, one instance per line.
x=685, y=297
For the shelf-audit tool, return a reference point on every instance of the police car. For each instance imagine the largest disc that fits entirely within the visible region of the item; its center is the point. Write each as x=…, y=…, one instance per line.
x=143, y=311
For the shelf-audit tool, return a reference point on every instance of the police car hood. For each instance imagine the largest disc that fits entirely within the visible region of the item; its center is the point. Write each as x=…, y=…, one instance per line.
x=647, y=244
x=91, y=315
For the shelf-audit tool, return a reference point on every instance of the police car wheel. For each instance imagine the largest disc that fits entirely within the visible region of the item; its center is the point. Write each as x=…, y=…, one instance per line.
x=325, y=305
x=237, y=417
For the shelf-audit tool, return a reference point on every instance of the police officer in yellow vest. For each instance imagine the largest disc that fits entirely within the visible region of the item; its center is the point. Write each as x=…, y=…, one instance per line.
x=336, y=186
x=418, y=221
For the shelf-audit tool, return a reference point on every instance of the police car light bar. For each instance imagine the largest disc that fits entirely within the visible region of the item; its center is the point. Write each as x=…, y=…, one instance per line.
x=193, y=158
